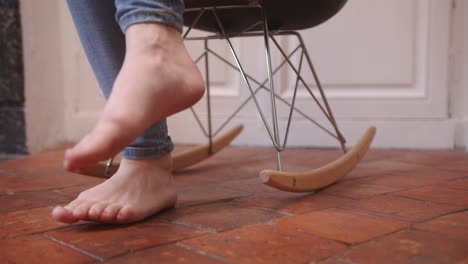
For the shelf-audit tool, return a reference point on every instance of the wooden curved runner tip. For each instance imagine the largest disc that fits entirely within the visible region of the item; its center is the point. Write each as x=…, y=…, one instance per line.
x=194, y=155
x=98, y=170
x=319, y=178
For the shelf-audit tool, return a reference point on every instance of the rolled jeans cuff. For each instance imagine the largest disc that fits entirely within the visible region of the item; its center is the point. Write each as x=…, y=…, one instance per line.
x=145, y=152
x=167, y=12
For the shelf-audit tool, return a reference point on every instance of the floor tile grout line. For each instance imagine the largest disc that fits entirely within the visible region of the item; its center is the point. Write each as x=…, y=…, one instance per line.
x=47, y=190
x=396, y=171
x=82, y=251
x=363, y=183
x=41, y=232
x=283, y=213
x=442, y=215
x=444, y=235
x=363, y=213
x=451, y=170
x=6, y=172
x=241, y=190
x=408, y=188
x=14, y=173
x=408, y=226
x=214, y=232
x=382, y=236
x=402, y=218
x=347, y=243
x=138, y=250
x=204, y=253
x=383, y=215
x=456, y=189
x=459, y=179
x=59, y=189
x=351, y=247
x=352, y=198
x=33, y=191
x=339, y=257
x=416, y=199
x=286, y=214
x=197, y=227
x=211, y=202
x=29, y=208
x=392, y=193
x=413, y=229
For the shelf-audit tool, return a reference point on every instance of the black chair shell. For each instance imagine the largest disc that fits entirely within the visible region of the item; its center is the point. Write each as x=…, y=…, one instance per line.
x=281, y=14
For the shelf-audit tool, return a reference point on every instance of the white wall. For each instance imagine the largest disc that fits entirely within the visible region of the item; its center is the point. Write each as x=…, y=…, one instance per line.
x=43, y=74
x=63, y=102
x=459, y=72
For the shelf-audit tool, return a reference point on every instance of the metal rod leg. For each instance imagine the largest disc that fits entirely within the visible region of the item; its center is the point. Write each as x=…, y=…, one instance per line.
x=246, y=80
x=322, y=93
x=208, y=98
x=272, y=89
x=286, y=135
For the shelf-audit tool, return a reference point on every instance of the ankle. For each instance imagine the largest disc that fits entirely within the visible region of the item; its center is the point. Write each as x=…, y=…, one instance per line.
x=151, y=35
x=162, y=163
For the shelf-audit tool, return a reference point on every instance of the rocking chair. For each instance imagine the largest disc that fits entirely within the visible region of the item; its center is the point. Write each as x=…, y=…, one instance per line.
x=228, y=19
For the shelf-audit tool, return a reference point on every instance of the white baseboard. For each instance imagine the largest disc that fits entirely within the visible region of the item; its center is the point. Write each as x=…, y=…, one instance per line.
x=410, y=134
x=461, y=134
x=465, y=135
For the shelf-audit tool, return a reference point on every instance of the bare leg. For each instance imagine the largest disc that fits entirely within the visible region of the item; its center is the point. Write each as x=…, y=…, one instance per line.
x=157, y=79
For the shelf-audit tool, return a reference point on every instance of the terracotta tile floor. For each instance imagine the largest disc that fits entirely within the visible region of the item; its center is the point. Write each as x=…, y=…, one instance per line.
x=397, y=206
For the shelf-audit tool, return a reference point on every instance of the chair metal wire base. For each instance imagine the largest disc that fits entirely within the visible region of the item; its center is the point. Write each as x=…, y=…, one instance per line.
x=268, y=84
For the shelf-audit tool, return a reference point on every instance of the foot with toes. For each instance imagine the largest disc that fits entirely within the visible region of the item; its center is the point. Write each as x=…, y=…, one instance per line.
x=157, y=79
x=140, y=188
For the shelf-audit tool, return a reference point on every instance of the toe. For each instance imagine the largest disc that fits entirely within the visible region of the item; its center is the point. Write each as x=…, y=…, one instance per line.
x=109, y=137
x=63, y=215
x=110, y=213
x=85, y=153
x=73, y=204
x=96, y=210
x=125, y=215
x=81, y=211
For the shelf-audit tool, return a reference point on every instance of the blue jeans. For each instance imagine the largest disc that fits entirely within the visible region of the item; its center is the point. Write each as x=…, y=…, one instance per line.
x=101, y=25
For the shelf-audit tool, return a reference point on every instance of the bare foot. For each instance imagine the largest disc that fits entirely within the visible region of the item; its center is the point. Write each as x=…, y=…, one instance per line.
x=140, y=188
x=158, y=78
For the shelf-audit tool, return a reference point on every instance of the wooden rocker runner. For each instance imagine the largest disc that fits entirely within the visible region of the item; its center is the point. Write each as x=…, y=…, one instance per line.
x=181, y=160
x=227, y=19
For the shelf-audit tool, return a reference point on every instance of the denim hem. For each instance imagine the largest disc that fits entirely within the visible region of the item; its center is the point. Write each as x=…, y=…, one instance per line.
x=151, y=17
x=147, y=152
